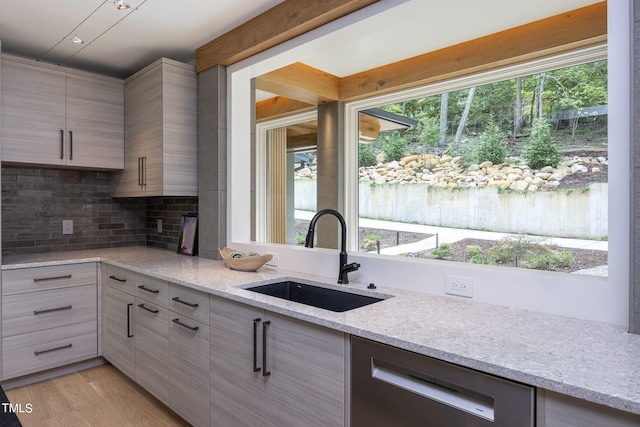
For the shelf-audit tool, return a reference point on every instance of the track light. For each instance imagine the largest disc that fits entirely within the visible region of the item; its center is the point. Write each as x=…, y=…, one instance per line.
x=121, y=5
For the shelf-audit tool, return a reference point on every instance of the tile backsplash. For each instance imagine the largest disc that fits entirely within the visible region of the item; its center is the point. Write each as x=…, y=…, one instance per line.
x=35, y=201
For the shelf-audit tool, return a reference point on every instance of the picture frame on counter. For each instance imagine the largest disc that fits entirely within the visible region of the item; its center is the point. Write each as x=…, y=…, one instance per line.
x=188, y=237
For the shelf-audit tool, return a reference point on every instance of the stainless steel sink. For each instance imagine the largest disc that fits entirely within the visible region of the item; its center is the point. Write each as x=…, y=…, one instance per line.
x=316, y=296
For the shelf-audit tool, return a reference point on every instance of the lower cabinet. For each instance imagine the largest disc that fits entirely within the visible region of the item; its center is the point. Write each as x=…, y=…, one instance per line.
x=557, y=410
x=49, y=317
x=161, y=343
x=271, y=370
x=189, y=369
x=152, y=348
x=118, y=343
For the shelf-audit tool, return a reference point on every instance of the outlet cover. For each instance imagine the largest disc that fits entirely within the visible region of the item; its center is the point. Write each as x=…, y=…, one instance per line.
x=461, y=286
x=274, y=260
x=67, y=226
x=159, y=225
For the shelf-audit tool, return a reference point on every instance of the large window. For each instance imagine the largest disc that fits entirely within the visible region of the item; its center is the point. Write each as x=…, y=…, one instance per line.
x=508, y=170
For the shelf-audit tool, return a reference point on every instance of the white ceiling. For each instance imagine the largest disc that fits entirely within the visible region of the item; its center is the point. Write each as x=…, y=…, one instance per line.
x=118, y=43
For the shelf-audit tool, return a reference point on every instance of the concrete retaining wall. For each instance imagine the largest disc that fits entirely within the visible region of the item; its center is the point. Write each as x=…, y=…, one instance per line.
x=561, y=213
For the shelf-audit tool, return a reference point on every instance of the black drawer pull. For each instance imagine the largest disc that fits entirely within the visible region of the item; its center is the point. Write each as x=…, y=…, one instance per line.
x=129, y=310
x=36, y=312
x=62, y=347
x=117, y=279
x=153, y=291
x=191, y=328
x=177, y=299
x=255, y=344
x=148, y=309
x=265, y=373
x=44, y=279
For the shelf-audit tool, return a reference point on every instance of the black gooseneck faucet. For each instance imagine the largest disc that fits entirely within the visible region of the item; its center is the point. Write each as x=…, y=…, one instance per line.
x=344, y=268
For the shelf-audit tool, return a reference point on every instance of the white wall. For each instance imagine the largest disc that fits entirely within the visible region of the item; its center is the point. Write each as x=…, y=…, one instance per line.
x=572, y=295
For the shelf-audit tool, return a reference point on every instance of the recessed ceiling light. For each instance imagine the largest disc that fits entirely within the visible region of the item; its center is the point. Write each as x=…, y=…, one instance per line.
x=121, y=5
x=76, y=40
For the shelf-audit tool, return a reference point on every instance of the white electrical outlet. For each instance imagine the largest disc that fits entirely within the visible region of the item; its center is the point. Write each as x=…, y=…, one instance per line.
x=67, y=226
x=274, y=260
x=462, y=286
x=159, y=225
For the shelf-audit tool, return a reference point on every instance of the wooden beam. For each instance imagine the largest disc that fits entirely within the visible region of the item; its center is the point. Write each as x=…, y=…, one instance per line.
x=283, y=22
x=302, y=83
x=579, y=28
x=279, y=107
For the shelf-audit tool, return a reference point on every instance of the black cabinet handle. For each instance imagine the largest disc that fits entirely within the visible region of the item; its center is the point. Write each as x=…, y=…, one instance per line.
x=70, y=145
x=61, y=144
x=144, y=171
x=117, y=279
x=156, y=311
x=177, y=299
x=36, y=312
x=255, y=344
x=62, y=347
x=44, y=279
x=153, y=291
x=265, y=373
x=129, y=309
x=191, y=328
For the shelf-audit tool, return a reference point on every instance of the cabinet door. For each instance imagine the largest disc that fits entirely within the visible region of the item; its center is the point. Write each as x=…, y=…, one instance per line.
x=307, y=381
x=95, y=122
x=237, y=392
x=189, y=369
x=152, y=348
x=33, y=114
x=119, y=342
x=142, y=174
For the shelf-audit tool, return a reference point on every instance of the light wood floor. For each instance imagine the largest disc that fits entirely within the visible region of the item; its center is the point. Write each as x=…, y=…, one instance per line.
x=100, y=396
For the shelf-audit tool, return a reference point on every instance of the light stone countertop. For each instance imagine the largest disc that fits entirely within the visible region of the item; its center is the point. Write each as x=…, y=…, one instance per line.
x=597, y=362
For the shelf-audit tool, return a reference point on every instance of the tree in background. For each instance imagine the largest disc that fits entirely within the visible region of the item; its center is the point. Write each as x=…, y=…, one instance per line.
x=511, y=105
x=542, y=150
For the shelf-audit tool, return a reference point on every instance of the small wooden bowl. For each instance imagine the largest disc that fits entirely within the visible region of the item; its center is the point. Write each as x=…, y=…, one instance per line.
x=242, y=262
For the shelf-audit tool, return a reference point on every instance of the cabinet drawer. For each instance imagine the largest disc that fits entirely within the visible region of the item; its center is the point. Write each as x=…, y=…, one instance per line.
x=189, y=370
x=34, y=311
x=120, y=278
x=153, y=290
x=38, y=351
x=152, y=348
x=52, y=277
x=189, y=302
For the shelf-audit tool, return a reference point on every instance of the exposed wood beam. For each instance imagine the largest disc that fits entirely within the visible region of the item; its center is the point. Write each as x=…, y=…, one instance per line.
x=283, y=22
x=302, y=83
x=579, y=28
x=279, y=107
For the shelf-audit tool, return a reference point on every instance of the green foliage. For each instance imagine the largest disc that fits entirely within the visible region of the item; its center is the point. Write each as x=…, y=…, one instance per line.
x=429, y=129
x=366, y=155
x=542, y=150
x=530, y=252
x=490, y=146
x=370, y=242
x=443, y=251
x=394, y=146
x=518, y=247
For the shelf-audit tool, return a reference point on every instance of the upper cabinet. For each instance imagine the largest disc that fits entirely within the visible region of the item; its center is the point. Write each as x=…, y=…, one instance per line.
x=161, y=132
x=60, y=117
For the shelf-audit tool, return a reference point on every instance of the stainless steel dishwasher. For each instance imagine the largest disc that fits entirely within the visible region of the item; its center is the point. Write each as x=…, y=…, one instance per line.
x=395, y=387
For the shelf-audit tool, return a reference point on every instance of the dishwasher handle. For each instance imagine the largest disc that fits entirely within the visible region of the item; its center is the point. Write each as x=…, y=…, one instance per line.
x=447, y=395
